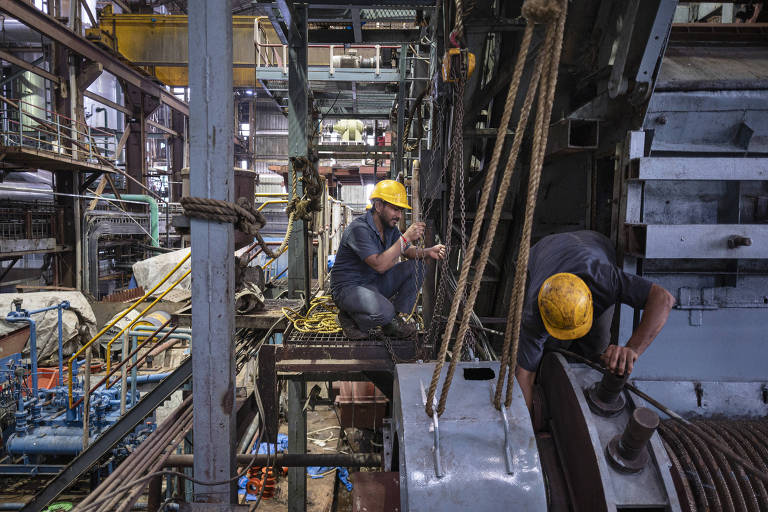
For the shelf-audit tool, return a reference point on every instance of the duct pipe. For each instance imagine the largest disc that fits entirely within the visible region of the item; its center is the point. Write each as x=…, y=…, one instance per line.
x=154, y=223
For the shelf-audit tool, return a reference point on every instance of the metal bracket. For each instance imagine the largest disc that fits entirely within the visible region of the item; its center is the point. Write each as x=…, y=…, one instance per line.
x=435, y=430
x=507, y=441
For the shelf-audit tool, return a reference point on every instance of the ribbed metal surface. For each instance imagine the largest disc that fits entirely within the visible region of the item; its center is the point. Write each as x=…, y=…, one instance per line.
x=707, y=479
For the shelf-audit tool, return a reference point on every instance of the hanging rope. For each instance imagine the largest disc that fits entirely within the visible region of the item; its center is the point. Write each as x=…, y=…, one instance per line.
x=311, y=201
x=540, y=10
x=548, y=58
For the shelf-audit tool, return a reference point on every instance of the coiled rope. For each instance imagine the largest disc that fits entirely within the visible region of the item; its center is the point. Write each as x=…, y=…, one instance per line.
x=544, y=78
x=320, y=317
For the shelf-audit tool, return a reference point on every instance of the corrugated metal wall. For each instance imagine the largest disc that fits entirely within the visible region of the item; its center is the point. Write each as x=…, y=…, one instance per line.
x=270, y=135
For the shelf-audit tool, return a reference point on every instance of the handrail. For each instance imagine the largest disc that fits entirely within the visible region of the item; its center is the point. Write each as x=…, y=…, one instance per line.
x=35, y=119
x=276, y=201
x=158, y=299
x=106, y=377
x=113, y=322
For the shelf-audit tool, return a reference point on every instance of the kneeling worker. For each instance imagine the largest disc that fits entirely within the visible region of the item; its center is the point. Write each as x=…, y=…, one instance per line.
x=573, y=279
x=368, y=284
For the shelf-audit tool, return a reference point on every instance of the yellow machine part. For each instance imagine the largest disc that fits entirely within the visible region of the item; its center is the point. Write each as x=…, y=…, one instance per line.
x=154, y=319
x=160, y=45
x=451, y=64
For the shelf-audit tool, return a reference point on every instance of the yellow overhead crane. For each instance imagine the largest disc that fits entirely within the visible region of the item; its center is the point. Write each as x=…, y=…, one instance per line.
x=159, y=44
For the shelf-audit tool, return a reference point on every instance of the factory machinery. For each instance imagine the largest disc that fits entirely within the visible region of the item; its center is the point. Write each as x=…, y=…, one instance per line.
x=662, y=146
x=659, y=140
x=45, y=426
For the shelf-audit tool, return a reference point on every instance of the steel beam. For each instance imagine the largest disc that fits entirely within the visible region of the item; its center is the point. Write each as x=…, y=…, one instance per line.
x=28, y=66
x=108, y=439
x=401, y=108
x=339, y=74
x=298, y=108
x=297, y=445
x=51, y=28
x=698, y=241
x=356, y=25
x=213, y=269
x=695, y=168
x=108, y=103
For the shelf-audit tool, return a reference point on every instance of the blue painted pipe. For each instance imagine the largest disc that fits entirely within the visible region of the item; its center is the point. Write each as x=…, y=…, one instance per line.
x=47, y=441
x=22, y=315
x=154, y=377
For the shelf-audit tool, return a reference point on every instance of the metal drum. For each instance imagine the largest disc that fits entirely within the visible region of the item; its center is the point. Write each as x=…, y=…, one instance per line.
x=473, y=468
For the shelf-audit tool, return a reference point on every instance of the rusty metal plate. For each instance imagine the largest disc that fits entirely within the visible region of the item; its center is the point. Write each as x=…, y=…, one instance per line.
x=375, y=491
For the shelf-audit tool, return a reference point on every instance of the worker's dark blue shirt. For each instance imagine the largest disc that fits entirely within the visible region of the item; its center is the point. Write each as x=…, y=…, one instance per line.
x=360, y=240
x=592, y=257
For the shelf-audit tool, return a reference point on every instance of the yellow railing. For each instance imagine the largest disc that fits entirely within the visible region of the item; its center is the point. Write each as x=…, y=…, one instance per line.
x=127, y=327
x=267, y=203
x=120, y=317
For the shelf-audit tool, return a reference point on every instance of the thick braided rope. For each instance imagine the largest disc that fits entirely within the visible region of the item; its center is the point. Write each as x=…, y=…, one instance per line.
x=540, y=143
x=242, y=214
x=490, y=232
x=458, y=26
x=477, y=224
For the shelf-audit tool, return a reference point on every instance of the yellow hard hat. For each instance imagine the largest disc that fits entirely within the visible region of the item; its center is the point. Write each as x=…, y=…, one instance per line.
x=391, y=191
x=565, y=304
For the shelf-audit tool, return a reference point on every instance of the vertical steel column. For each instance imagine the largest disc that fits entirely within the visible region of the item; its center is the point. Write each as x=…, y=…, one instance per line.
x=298, y=108
x=401, y=110
x=213, y=270
x=297, y=443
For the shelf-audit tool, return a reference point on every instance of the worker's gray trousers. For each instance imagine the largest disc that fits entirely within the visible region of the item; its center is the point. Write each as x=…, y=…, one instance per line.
x=592, y=344
x=376, y=302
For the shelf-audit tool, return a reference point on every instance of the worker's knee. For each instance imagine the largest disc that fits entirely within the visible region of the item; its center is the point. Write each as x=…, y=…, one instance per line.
x=383, y=314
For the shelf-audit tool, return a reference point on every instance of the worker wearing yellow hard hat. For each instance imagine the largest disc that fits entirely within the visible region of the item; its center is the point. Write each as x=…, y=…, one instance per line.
x=369, y=283
x=572, y=289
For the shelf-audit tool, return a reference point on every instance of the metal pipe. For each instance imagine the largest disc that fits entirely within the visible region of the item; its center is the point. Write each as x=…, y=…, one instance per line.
x=292, y=460
x=22, y=315
x=120, y=317
x=154, y=218
x=124, y=359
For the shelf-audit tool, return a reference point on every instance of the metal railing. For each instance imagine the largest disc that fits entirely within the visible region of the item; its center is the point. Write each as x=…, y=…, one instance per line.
x=27, y=125
x=20, y=221
x=264, y=59
x=111, y=324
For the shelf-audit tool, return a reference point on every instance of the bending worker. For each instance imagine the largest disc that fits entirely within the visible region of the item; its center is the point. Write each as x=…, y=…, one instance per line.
x=573, y=286
x=368, y=283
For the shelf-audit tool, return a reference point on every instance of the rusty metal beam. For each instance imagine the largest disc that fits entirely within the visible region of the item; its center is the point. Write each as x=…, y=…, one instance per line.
x=58, y=32
x=28, y=66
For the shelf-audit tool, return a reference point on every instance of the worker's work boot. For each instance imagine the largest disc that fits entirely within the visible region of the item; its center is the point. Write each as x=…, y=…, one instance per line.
x=398, y=328
x=349, y=327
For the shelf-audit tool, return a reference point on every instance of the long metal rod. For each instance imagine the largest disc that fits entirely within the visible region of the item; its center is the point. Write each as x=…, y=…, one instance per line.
x=293, y=460
x=747, y=465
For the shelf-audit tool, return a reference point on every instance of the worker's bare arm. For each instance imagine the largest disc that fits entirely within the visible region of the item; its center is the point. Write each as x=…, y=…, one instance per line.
x=525, y=380
x=436, y=252
x=384, y=261
x=621, y=360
